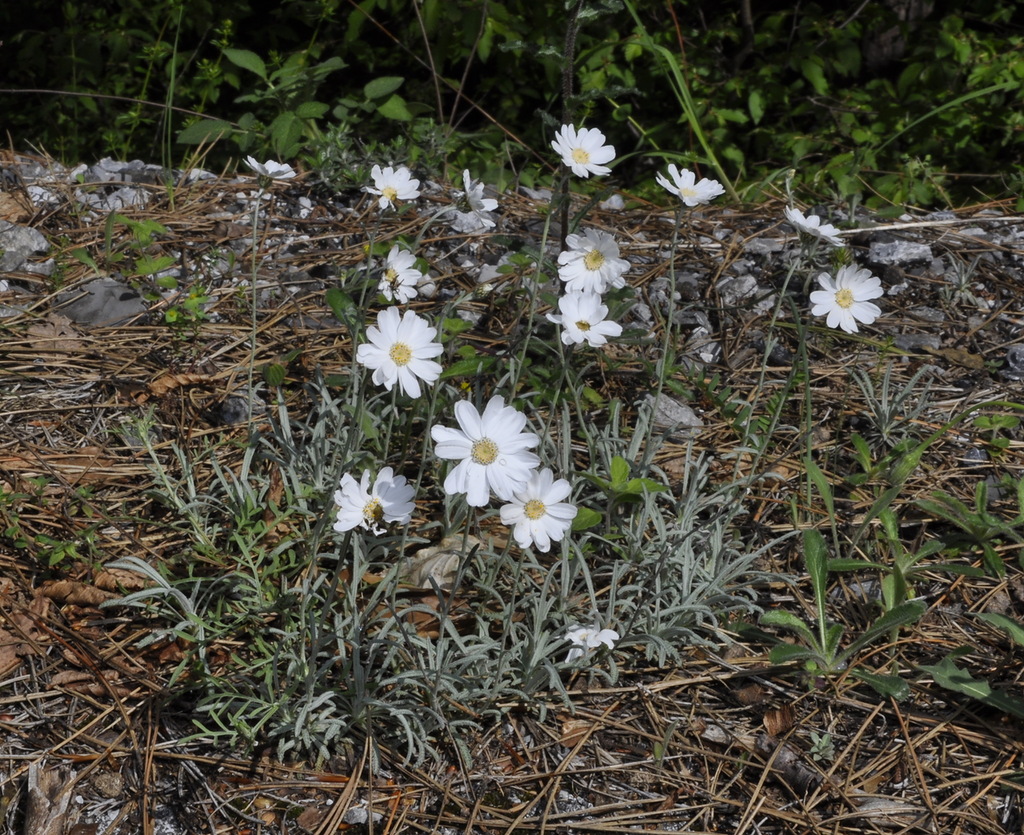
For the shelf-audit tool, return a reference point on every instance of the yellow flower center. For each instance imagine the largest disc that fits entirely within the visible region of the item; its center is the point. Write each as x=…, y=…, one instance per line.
x=484, y=451
x=391, y=274
x=844, y=298
x=687, y=191
x=583, y=325
x=373, y=512
x=389, y=193
x=534, y=509
x=400, y=353
x=593, y=259
x=581, y=156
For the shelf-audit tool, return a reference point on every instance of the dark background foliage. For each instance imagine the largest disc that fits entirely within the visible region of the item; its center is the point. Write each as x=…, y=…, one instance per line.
x=908, y=101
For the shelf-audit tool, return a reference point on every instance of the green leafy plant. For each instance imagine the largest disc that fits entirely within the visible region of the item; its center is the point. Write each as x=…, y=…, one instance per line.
x=890, y=413
x=129, y=255
x=821, y=652
x=904, y=566
x=286, y=100
x=977, y=527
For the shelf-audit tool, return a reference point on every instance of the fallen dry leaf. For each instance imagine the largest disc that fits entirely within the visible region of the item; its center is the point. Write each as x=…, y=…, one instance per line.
x=119, y=579
x=81, y=681
x=11, y=651
x=436, y=566
x=14, y=207
x=74, y=592
x=54, y=333
x=779, y=720
x=167, y=383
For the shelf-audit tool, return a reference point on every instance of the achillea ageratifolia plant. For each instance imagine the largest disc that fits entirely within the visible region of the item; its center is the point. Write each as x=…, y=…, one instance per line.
x=601, y=558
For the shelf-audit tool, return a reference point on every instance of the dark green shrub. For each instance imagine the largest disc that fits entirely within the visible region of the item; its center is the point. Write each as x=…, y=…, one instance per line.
x=859, y=103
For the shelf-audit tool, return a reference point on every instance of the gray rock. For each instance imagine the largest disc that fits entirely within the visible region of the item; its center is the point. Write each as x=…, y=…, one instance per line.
x=974, y=457
x=18, y=243
x=101, y=303
x=928, y=314
x=916, y=341
x=109, y=170
x=735, y=290
x=763, y=246
x=672, y=415
x=1014, y=363
x=898, y=253
x=692, y=319
x=115, y=200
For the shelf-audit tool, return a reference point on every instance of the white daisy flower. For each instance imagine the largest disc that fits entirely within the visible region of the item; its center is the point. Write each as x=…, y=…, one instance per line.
x=477, y=218
x=400, y=276
x=359, y=506
x=812, y=225
x=584, y=319
x=591, y=263
x=399, y=351
x=846, y=300
x=492, y=451
x=392, y=185
x=271, y=169
x=584, y=151
x=537, y=511
x=589, y=638
x=685, y=186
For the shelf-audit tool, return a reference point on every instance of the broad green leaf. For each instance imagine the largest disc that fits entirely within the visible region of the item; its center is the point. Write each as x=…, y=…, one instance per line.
x=813, y=72
x=395, y=108
x=383, y=86
x=453, y=327
x=203, y=131
x=472, y=367
x=147, y=266
x=285, y=132
x=340, y=303
x=892, y=687
x=787, y=653
x=816, y=557
x=274, y=373
x=586, y=518
x=619, y=472
x=833, y=635
x=948, y=675
x=905, y=613
x=1012, y=628
x=83, y=256
x=755, y=104
x=787, y=620
x=639, y=485
x=850, y=564
x=824, y=490
x=311, y=109
x=247, y=61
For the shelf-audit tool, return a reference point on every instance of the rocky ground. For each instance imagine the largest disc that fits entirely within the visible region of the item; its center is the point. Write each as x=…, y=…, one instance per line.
x=124, y=294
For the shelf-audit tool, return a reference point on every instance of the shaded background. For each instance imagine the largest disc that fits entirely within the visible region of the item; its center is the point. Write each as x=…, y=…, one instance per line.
x=909, y=100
